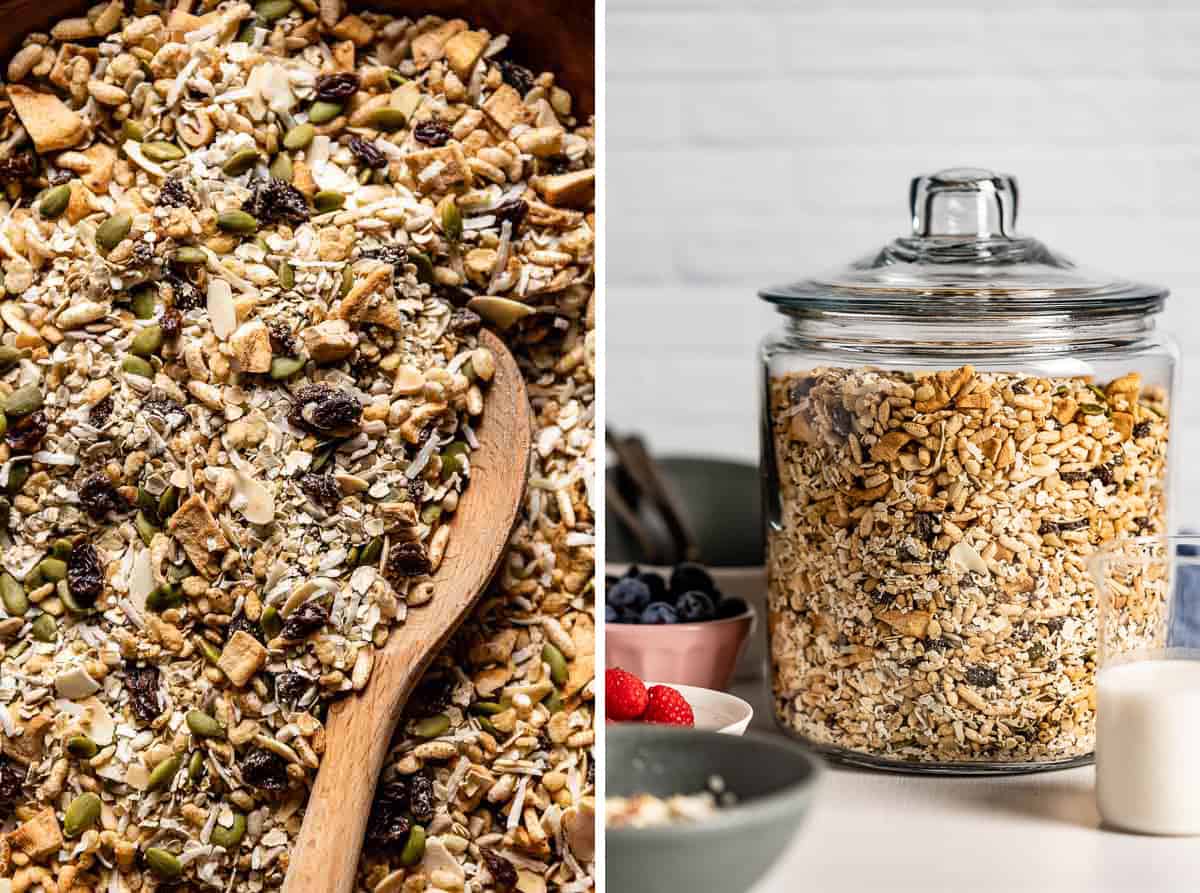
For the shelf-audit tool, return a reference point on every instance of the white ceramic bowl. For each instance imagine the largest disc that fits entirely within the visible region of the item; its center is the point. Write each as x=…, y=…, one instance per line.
x=715, y=711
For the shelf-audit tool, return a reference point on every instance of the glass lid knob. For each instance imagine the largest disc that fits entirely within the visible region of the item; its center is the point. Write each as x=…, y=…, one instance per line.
x=964, y=203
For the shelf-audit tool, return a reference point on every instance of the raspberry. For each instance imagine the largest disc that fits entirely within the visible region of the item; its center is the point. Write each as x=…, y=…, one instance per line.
x=625, y=694
x=668, y=707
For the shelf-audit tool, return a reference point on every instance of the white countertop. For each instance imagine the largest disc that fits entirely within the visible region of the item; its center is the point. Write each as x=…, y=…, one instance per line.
x=886, y=833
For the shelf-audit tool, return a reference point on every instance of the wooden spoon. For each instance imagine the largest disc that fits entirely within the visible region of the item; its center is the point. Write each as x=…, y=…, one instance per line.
x=359, y=729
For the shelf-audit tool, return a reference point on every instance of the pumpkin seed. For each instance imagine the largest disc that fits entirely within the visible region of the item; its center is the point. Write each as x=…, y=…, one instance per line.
x=203, y=725
x=164, y=597
x=168, y=502
x=54, y=202
x=16, y=603
x=261, y=244
x=53, y=569
x=240, y=162
x=414, y=847
x=148, y=341
x=347, y=281
x=371, y=553
x=65, y=596
x=287, y=276
x=299, y=136
x=189, y=254
x=62, y=548
x=144, y=301
x=112, y=231
x=196, y=766
x=452, y=224
x=285, y=367
x=1091, y=408
x=162, y=863
x=145, y=528
x=237, y=222
x=270, y=10
x=132, y=130
x=18, y=474
x=486, y=708
x=452, y=458
x=270, y=621
x=137, y=366
x=164, y=773
x=488, y=726
x=10, y=356
x=431, y=514
x=246, y=32
x=281, y=167
x=553, y=702
x=558, y=663
x=45, y=629
x=3, y=428
x=387, y=119
x=230, y=837
x=432, y=726
x=328, y=200
x=83, y=812
x=322, y=112
x=352, y=557
x=395, y=78
x=148, y=503
x=500, y=312
x=424, y=265
x=161, y=150
x=211, y=652
x=81, y=746
x=33, y=580
x=23, y=401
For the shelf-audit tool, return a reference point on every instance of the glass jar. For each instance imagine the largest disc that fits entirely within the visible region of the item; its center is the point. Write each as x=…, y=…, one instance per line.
x=951, y=426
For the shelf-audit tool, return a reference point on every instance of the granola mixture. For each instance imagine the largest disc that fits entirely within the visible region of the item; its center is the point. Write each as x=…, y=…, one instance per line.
x=246, y=252
x=650, y=811
x=929, y=591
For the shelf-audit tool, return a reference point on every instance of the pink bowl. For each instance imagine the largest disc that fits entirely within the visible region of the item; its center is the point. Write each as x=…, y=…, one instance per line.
x=702, y=654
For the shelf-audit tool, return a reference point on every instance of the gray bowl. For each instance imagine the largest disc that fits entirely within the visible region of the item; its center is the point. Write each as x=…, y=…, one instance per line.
x=772, y=777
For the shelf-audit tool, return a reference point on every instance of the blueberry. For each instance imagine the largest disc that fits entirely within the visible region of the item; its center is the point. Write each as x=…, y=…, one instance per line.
x=659, y=613
x=1185, y=611
x=611, y=615
x=630, y=615
x=688, y=576
x=656, y=584
x=695, y=607
x=629, y=593
x=1187, y=550
x=731, y=607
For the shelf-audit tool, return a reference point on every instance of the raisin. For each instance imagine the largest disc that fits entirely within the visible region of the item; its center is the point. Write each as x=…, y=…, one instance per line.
x=1140, y=430
x=275, y=201
x=1048, y=527
x=981, y=677
x=290, y=687
x=1103, y=474
x=926, y=524
x=591, y=772
x=171, y=323
x=1072, y=477
x=882, y=596
x=407, y=560
x=163, y=407
x=1020, y=388
x=416, y=491
x=513, y=210
x=98, y=496
x=12, y=780
x=175, y=194
x=142, y=685
x=432, y=133
x=1037, y=650
x=326, y=410
x=395, y=255
x=17, y=168
x=25, y=434
x=842, y=424
x=265, y=770
x=322, y=488
x=283, y=341
x=305, y=621
x=464, y=321
x=1055, y=624
x=938, y=644
x=420, y=797
x=184, y=294
x=432, y=696
x=504, y=874
x=1141, y=523
x=100, y=412
x=516, y=76
x=85, y=577
x=337, y=87
x=242, y=623
x=801, y=389
x=387, y=825
x=368, y=154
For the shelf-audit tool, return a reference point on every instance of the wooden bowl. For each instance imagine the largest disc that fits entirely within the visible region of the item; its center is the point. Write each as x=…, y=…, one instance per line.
x=547, y=35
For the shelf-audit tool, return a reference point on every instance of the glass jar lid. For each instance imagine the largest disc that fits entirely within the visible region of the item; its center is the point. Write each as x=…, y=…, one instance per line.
x=964, y=258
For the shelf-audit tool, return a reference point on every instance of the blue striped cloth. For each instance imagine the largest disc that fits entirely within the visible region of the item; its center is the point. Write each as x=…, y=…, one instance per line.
x=1185, y=604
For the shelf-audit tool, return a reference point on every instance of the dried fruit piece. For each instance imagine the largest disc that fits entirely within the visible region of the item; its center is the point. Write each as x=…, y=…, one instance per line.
x=305, y=621
x=503, y=872
x=322, y=488
x=516, y=76
x=432, y=133
x=513, y=210
x=142, y=685
x=85, y=577
x=265, y=770
x=290, y=687
x=326, y=410
x=367, y=153
x=388, y=826
x=274, y=201
x=26, y=433
x=100, y=412
x=336, y=87
x=420, y=797
x=12, y=780
x=98, y=497
x=407, y=560
x=176, y=194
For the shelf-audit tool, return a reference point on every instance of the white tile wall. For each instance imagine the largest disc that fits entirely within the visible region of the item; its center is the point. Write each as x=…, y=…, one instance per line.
x=752, y=141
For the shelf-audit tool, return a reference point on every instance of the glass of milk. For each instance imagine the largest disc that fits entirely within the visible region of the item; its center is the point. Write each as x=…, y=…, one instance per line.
x=1148, y=685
